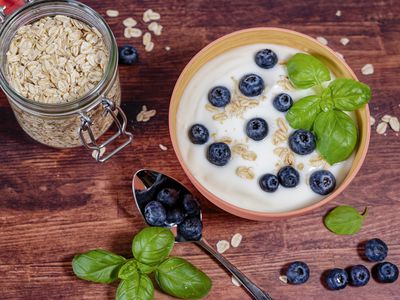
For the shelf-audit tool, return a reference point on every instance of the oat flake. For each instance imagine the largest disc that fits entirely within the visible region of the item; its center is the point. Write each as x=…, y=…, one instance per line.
x=222, y=246
x=344, y=41
x=112, y=13
x=339, y=13
x=162, y=147
x=322, y=40
x=371, y=120
x=129, y=22
x=368, y=69
x=236, y=240
x=381, y=128
x=394, y=124
x=283, y=278
x=386, y=118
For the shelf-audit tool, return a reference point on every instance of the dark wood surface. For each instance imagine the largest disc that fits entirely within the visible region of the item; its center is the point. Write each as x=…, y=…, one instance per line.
x=55, y=203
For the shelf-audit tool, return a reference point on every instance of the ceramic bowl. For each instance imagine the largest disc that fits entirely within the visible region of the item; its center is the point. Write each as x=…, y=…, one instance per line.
x=281, y=37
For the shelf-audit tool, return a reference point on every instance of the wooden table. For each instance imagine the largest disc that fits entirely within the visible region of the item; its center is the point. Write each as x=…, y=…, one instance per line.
x=55, y=203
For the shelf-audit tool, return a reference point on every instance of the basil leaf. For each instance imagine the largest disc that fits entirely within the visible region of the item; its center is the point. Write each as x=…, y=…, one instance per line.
x=152, y=245
x=97, y=265
x=304, y=112
x=349, y=94
x=306, y=71
x=336, y=135
x=145, y=269
x=344, y=220
x=179, y=278
x=128, y=270
x=138, y=287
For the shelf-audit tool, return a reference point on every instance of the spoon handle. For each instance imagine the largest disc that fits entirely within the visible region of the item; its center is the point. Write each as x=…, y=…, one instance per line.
x=254, y=290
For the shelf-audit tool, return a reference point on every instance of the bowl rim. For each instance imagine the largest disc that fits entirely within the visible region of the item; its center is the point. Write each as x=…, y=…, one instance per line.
x=251, y=214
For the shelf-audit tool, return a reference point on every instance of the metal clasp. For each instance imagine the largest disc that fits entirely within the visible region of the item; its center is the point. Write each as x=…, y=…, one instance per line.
x=2, y=14
x=86, y=123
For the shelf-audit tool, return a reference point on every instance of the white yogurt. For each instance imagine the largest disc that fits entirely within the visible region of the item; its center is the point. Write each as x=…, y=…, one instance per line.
x=223, y=181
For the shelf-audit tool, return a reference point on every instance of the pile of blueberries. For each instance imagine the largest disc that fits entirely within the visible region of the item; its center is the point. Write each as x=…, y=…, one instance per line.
x=375, y=250
x=302, y=142
x=167, y=206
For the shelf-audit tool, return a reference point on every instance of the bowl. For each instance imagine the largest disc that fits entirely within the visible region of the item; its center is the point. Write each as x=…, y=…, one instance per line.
x=281, y=37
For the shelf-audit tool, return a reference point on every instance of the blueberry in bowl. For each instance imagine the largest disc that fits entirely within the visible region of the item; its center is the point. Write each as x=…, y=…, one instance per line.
x=297, y=273
x=302, y=142
x=269, y=183
x=219, y=96
x=358, y=275
x=375, y=250
x=218, y=154
x=322, y=182
x=128, y=55
x=288, y=177
x=257, y=129
x=251, y=85
x=282, y=102
x=266, y=58
x=198, y=134
x=336, y=279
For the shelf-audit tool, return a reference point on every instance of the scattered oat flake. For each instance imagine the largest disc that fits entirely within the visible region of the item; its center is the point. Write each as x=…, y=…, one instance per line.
x=149, y=47
x=381, y=128
x=394, y=124
x=371, y=120
x=322, y=40
x=235, y=282
x=386, y=118
x=344, y=41
x=340, y=55
x=129, y=22
x=102, y=151
x=150, y=15
x=162, y=147
x=339, y=13
x=283, y=278
x=368, y=69
x=146, y=38
x=222, y=246
x=155, y=27
x=167, y=48
x=236, y=240
x=112, y=13
x=130, y=32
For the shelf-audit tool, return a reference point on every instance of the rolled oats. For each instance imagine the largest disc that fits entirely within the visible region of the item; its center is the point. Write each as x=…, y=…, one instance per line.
x=162, y=147
x=150, y=15
x=368, y=69
x=322, y=40
x=344, y=41
x=386, y=118
x=245, y=173
x=283, y=278
x=222, y=246
x=371, y=120
x=129, y=22
x=381, y=128
x=149, y=47
x=112, y=13
x=285, y=83
x=236, y=240
x=155, y=27
x=130, y=32
x=394, y=124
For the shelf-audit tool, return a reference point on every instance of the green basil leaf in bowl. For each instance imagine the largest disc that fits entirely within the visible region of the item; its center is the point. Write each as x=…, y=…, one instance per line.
x=306, y=71
x=304, y=112
x=138, y=287
x=179, y=278
x=97, y=265
x=152, y=245
x=348, y=94
x=336, y=135
x=344, y=220
x=128, y=270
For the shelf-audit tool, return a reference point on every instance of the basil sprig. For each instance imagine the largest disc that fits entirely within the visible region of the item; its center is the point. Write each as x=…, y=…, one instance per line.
x=151, y=248
x=344, y=220
x=323, y=113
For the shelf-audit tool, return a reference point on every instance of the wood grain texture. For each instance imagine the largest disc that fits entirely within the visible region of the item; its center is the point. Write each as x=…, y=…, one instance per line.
x=55, y=203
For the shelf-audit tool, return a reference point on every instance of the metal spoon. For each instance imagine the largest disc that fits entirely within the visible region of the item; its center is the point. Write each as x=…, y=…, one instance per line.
x=146, y=184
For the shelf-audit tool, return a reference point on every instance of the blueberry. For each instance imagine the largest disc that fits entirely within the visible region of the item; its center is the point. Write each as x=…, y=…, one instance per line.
x=190, y=205
x=266, y=58
x=155, y=213
x=337, y=279
x=175, y=216
x=322, y=182
x=168, y=197
x=257, y=129
x=198, y=134
x=375, y=250
x=128, y=55
x=282, y=102
x=269, y=183
x=218, y=154
x=302, y=142
x=219, y=96
x=386, y=272
x=288, y=177
x=297, y=273
x=190, y=229
x=358, y=275
x=251, y=85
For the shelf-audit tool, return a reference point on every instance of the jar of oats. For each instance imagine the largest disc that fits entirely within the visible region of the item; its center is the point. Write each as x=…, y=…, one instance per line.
x=59, y=70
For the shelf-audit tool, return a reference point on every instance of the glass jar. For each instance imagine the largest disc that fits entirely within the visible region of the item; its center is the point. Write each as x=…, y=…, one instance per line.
x=79, y=122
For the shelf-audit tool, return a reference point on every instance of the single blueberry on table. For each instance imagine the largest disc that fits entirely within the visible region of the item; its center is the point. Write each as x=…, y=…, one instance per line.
x=198, y=134
x=168, y=197
x=282, y=102
x=322, y=182
x=190, y=205
x=190, y=229
x=336, y=279
x=266, y=58
x=302, y=142
x=385, y=272
x=155, y=213
x=257, y=129
x=268, y=183
x=288, y=177
x=375, y=250
x=251, y=85
x=218, y=154
x=128, y=55
x=174, y=216
x=297, y=273
x=358, y=275
x=219, y=96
